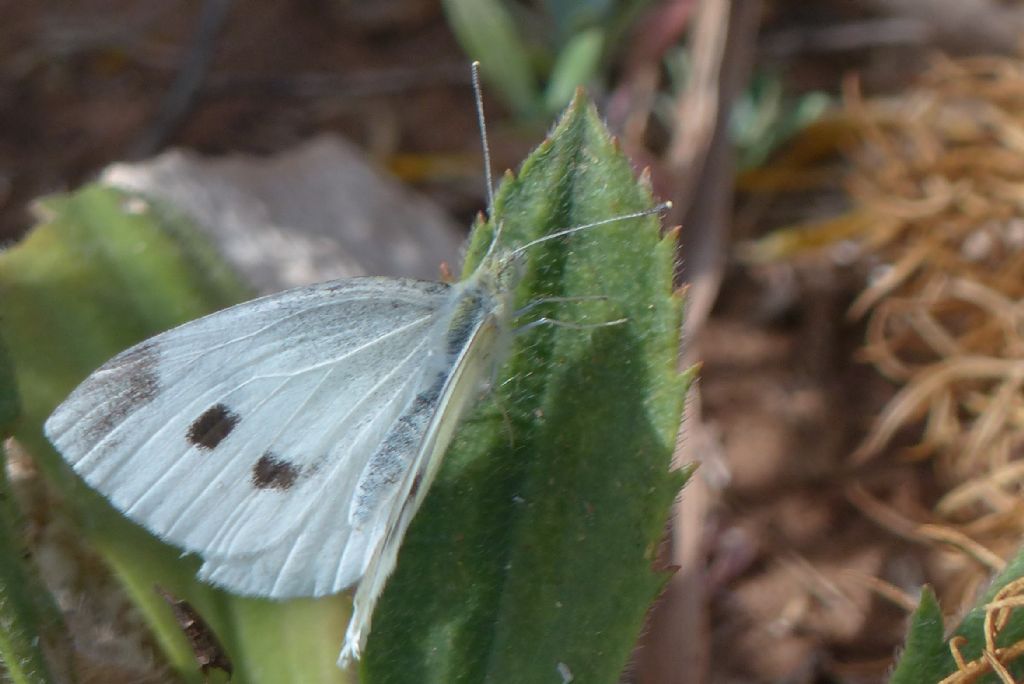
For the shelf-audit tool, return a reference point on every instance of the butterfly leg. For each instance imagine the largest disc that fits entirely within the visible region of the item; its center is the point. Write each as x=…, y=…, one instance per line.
x=549, y=300
x=566, y=324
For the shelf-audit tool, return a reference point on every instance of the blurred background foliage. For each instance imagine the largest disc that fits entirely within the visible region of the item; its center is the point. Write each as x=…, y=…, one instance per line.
x=536, y=54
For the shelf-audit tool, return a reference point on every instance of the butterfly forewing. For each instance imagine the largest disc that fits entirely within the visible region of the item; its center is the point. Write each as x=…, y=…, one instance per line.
x=223, y=435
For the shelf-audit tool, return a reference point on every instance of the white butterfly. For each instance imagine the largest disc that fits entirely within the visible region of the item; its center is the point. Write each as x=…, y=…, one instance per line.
x=289, y=440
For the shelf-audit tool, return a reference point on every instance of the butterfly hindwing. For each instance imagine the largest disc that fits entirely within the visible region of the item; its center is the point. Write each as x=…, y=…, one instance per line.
x=243, y=436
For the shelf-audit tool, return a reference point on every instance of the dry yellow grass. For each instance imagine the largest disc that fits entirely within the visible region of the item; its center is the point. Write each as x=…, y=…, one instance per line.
x=935, y=182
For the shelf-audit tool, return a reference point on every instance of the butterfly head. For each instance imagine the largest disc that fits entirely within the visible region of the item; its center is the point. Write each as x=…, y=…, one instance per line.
x=500, y=275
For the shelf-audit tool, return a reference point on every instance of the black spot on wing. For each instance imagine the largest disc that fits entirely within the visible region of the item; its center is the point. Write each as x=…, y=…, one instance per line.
x=130, y=380
x=271, y=472
x=210, y=428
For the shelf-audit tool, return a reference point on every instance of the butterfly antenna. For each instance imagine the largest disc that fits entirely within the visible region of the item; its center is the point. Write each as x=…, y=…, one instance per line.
x=481, y=120
x=482, y=123
x=657, y=209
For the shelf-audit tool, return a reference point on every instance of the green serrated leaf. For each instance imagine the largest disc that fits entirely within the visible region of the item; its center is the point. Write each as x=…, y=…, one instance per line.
x=531, y=558
x=105, y=271
x=927, y=661
x=926, y=652
x=972, y=627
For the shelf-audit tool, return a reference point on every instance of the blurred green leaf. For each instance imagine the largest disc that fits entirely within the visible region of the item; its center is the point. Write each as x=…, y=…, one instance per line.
x=28, y=617
x=764, y=118
x=576, y=65
x=10, y=405
x=531, y=559
x=570, y=16
x=536, y=57
x=489, y=35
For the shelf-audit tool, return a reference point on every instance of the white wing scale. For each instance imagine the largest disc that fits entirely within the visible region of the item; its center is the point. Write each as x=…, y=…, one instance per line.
x=297, y=390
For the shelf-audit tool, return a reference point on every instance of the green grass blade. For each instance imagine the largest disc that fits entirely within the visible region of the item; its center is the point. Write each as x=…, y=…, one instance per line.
x=532, y=556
